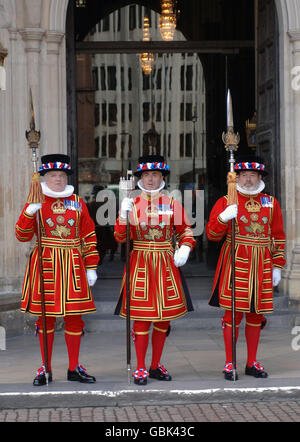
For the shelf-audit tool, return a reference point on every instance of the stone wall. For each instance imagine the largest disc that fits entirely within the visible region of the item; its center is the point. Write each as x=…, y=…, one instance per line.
x=33, y=33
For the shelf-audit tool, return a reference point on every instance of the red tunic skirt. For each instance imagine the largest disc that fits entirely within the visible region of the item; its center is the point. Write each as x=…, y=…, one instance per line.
x=260, y=241
x=158, y=291
x=68, y=250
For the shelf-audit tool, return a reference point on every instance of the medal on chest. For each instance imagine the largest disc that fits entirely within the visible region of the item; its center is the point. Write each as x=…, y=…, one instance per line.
x=266, y=201
x=152, y=233
x=59, y=222
x=254, y=208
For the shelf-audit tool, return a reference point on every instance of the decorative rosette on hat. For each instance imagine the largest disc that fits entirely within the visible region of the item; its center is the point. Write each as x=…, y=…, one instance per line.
x=55, y=162
x=250, y=163
x=150, y=163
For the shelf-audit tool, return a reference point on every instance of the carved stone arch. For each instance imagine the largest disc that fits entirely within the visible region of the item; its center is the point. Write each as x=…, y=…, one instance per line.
x=58, y=14
x=283, y=15
x=290, y=11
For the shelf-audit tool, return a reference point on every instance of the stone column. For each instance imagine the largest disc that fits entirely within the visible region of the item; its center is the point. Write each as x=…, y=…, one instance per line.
x=9, y=282
x=36, y=60
x=52, y=95
x=32, y=38
x=294, y=235
x=12, y=172
x=16, y=168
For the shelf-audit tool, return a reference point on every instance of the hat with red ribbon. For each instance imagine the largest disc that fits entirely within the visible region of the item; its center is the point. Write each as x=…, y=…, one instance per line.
x=151, y=163
x=250, y=164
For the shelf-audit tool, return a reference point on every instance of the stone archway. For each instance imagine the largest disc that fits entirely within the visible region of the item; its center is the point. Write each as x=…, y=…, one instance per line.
x=58, y=15
x=288, y=12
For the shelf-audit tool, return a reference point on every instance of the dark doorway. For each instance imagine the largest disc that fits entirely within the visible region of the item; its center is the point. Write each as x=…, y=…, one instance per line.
x=220, y=35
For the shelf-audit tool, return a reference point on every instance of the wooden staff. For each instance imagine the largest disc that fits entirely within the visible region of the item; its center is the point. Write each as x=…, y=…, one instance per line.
x=126, y=186
x=231, y=141
x=36, y=196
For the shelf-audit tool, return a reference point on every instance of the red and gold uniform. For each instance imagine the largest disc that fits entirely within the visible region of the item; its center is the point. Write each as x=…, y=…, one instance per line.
x=158, y=292
x=156, y=285
x=68, y=242
x=259, y=257
x=69, y=249
x=260, y=241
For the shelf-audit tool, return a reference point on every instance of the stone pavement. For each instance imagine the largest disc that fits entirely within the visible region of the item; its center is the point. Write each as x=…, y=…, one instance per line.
x=194, y=355
x=165, y=415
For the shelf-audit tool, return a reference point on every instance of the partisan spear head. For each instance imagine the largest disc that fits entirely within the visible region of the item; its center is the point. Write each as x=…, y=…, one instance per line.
x=33, y=136
x=231, y=141
x=230, y=138
x=229, y=111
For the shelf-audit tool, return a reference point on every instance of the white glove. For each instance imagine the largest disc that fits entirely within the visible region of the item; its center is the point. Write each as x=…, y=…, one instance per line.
x=229, y=213
x=181, y=255
x=33, y=208
x=126, y=206
x=91, y=275
x=276, y=277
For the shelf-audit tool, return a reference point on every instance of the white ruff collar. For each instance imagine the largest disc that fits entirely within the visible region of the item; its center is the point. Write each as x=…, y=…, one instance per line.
x=68, y=191
x=151, y=192
x=258, y=190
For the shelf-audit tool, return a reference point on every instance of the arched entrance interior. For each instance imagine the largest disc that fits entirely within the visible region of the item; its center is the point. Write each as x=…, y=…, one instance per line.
x=226, y=49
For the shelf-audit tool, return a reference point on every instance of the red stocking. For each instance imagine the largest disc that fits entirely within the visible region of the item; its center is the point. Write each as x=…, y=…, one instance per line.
x=73, y=332
x=158, y=341
x=73, y=345
x=252, y=333
x=227, y=332
x=141, y=332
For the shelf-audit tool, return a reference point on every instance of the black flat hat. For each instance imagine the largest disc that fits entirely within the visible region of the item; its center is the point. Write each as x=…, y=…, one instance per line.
x=148, y=163
x=250, y=163
x=55, y=161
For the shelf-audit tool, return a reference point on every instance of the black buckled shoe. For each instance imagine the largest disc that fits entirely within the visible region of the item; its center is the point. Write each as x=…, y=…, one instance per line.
x=140, y=376
x=228, y=372
x=80, y=375
x=40, y=378
x=160, y=373
x=256, y=370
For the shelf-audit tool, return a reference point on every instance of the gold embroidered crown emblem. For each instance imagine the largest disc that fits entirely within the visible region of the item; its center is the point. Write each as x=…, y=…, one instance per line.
x=252, y=206
x=58, y=207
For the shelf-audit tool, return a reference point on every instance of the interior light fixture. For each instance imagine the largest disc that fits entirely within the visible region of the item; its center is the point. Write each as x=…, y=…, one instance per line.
x=146, y=58
x=168, y=19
